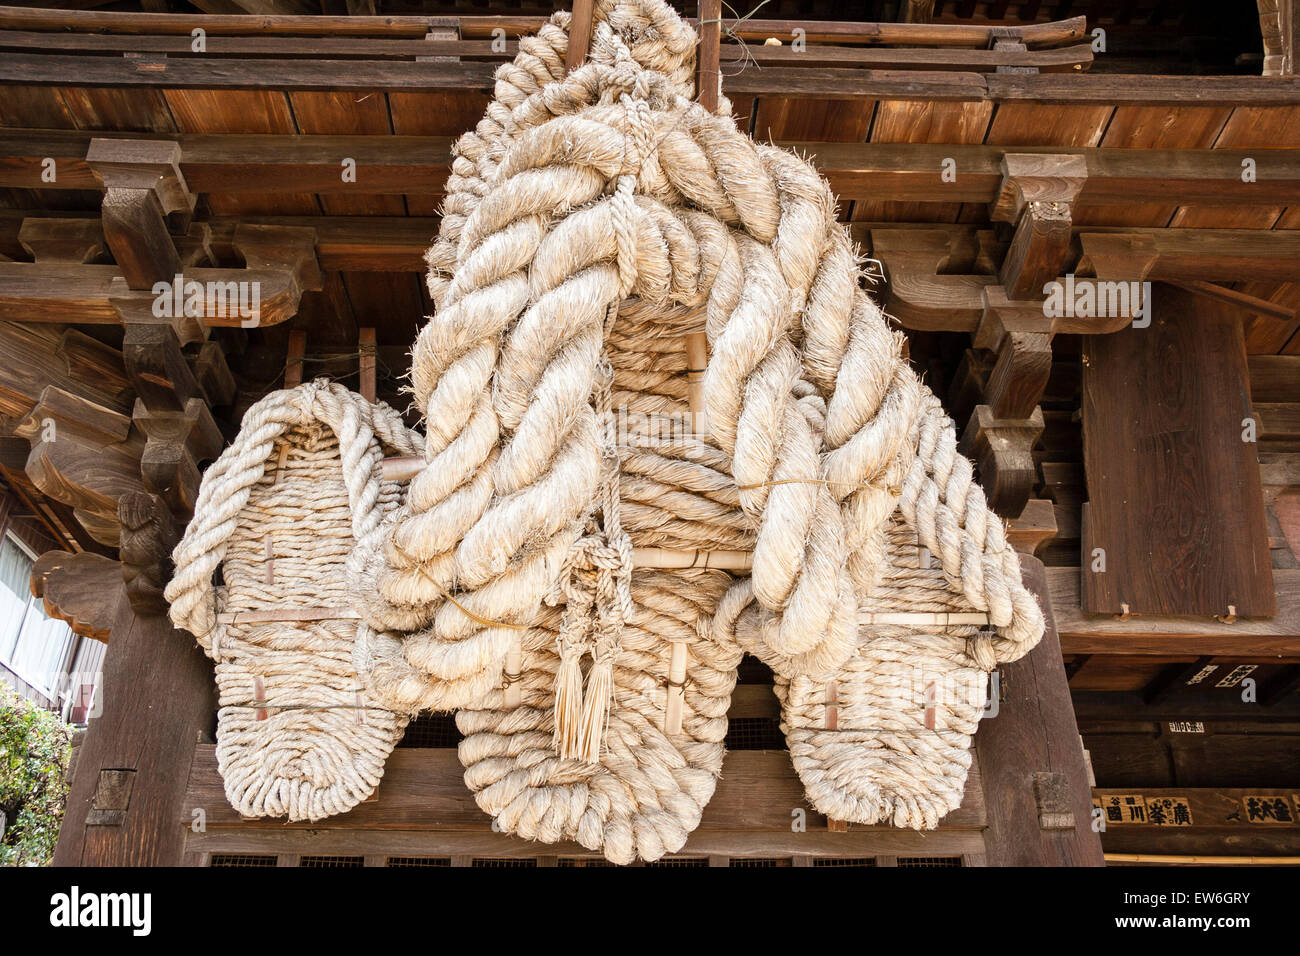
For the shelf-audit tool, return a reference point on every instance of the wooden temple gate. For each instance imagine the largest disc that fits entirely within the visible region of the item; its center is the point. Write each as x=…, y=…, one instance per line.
x=976, y=163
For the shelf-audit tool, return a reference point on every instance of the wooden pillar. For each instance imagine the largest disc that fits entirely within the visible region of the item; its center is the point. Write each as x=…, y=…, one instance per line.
x=1036, y=791
x=126, y=806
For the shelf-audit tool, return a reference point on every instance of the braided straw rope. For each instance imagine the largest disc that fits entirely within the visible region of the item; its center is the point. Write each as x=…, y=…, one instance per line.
x=607, y=189
x=593, y=219
x=297, y=733
x=652, y=780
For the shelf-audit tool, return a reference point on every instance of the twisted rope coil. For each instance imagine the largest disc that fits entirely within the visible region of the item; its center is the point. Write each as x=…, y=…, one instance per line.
x=608, y=192
x=577, y=192
x=298, y=735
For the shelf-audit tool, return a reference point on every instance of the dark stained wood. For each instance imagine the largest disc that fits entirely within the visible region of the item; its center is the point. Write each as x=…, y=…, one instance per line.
x=1129, y=705
x=1164, y=409
x=82, y=590
x=942, y=34
x=1002, y=450
x=1162, y=635
x=463, y=846
x=424, y=789
x=252, y=158
x=1034, y=732
x=1038, y=249
x=158, y=701
x=73, y=241
x=1017, y=381
x=363, y=48
x=148, y=536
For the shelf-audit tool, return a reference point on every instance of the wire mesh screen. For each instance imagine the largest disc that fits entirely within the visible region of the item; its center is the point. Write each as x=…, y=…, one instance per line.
x=755, y=733
x=502, y=861
x=757, y=861
x=929, y=861
x=240, y=859
x=431, y=730
x=582, y=861
x=331, y=862
x=844, y=861
x=681, y=861
x=419, y=861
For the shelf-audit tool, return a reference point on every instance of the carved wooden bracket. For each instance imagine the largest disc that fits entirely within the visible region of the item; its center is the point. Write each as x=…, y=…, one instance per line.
x=1002, y=449
x=72, y=241
x=84, y=455
x=918, y=295
x=177, y=441
x=290, y=249
x=1037, y=177
x=79, y=589
x=148, y=536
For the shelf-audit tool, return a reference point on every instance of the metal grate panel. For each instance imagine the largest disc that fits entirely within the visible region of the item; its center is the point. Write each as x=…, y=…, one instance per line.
x=419, y=861
x=755, y=733
x=844, y=861
x=929, y=861
x=332, y=862
x=240, y=859
x=582, y=861
x=681, y=861
x=431, y=730
x=502, y=861
x=760, y=861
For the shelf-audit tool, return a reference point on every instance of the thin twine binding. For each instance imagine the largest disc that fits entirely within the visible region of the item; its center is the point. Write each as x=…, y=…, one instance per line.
x=598, y=579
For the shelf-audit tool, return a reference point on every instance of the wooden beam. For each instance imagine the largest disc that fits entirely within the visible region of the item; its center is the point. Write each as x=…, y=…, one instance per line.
x=36, y=69
x=974, y=36
x=442, y=45
x=423, y=789
x=580, y=27
x=366, y=363
x=907, y=172
x=1153, y=635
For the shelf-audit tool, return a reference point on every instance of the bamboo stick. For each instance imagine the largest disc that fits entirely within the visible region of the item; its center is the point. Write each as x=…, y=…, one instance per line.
x=897, y=618
x=676, y=688
x=402, y=467
x=299, y=614
x=1178, y=859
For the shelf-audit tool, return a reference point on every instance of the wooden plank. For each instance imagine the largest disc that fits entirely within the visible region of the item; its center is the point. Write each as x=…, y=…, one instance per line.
x=177, y=73
x=1236, y=808
x=1034, y=732
x=950, y=58
x=230, y=111
x=975, y=36
x=424, y=789
x=326, y=841
x=1175, y=496
x=1162, y=635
